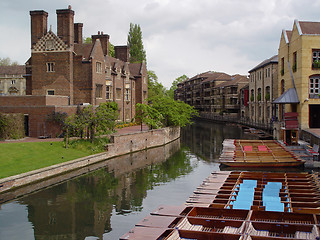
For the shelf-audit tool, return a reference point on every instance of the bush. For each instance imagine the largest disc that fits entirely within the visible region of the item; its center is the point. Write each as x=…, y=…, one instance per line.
x=12, y=126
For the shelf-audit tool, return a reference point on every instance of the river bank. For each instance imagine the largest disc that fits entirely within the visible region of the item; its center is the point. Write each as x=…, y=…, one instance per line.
x=121, y=144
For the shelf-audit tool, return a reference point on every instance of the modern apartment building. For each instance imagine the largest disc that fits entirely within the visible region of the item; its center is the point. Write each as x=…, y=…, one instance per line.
x=212, y=93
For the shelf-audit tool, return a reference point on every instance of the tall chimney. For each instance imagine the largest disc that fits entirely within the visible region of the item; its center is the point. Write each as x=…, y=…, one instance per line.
x=104, y=39
x=122, y=53
x=65, y=25
x=78, y=33
x=39, y=25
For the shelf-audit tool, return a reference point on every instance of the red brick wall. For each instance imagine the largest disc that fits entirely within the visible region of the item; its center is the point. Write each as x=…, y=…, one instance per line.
x=28, y=101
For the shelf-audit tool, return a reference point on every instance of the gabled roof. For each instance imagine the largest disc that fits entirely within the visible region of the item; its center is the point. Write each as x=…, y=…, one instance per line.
x=13, y=70
x=309, y=27
x=135, y=69
x=83, y=50
x=273, y=59
x=57, y=43
x=289, y=96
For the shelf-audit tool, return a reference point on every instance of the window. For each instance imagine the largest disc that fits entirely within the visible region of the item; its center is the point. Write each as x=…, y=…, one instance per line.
x=282, y=86
x=50, y=92
x=13, y=82
x=50, y=67
x=127, y=94
x=109, y=92
x=98, y=67
x=314, y=87
x=267, y=93
x=98, y=90
x=294, y=65
x=282, y=67
x=316, y=59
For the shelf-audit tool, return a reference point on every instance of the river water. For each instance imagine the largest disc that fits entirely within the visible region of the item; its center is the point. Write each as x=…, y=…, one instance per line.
x=108, y=202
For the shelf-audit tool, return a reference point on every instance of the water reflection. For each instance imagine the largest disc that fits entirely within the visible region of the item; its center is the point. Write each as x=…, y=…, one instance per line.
x=205, y=138
x=110, y=197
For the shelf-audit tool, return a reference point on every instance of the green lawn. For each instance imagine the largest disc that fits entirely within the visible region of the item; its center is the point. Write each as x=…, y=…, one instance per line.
x=16, y=158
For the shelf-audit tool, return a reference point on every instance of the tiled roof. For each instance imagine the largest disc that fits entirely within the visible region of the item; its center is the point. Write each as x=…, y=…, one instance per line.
x=289, y=34
x=236, y=80
x=135, y=69
x=211, y=76
x=309, y=27
x=13, y=70
x=83, y=50
x=273, y=59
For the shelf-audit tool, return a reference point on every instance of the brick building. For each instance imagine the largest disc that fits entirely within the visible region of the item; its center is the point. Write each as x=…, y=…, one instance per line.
x=61, y=66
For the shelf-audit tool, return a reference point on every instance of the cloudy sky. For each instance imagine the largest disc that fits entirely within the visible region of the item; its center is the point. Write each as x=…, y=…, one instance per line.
x=179, y=36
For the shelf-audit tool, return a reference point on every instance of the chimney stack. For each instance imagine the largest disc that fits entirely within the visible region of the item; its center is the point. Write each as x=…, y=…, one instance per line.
x=78, y=33
x=122, y=53
x=65, y=25
x=104, y=39
x=39, y=25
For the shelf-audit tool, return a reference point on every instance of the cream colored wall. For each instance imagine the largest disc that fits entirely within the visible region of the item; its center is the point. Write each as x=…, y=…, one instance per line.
x=303, y=45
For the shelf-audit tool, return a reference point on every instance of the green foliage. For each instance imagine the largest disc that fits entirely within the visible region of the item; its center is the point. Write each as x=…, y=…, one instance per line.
x=87, y=40
x=154, y=87
x=251, y=98
x=11, y=126
x=7, y=62
x=173, y=87
x=267, y=97
x=111, y=50
x=259, y=97
x=137, y=52
x=175, y=113
x=148, y=115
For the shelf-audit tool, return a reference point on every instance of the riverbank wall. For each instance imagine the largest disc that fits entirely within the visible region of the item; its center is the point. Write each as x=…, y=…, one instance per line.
x=120, y=145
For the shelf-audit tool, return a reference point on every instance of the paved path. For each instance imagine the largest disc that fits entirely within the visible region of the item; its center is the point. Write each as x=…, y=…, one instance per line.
x=125, y=130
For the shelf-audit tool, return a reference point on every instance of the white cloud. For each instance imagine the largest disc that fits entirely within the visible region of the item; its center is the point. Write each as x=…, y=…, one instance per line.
x=180, y=36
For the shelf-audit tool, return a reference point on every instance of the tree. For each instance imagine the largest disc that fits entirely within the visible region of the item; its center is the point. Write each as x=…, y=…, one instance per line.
x=175, y=113
x=148, y=115
x=154, y=87
x=137, y=52
x=7, y=62
x=87, y=40
x=174, y=84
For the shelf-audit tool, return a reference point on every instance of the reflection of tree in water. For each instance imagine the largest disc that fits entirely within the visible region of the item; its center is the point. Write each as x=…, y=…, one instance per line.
x=145, y=179
x=83, y=206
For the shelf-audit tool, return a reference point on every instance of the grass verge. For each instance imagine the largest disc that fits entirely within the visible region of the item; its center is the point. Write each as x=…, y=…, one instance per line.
x=17, y=158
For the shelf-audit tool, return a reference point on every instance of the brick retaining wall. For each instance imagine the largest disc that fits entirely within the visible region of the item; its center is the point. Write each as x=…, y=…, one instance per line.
x=121, y=144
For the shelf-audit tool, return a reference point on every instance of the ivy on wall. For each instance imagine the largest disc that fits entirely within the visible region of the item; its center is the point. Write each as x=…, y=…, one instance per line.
x=11, y=126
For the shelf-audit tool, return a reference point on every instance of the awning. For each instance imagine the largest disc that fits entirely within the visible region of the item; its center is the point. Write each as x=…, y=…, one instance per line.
x=289, y=96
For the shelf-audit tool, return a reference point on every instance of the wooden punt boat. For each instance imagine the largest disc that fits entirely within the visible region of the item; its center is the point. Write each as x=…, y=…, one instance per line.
x=257, y=154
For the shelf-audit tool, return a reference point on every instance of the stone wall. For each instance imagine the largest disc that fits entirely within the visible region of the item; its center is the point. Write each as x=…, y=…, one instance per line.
x=122, y=144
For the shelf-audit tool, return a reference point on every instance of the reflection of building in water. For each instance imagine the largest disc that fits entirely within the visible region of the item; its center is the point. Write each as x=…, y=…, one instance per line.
x=83, y=206
x=205, y=139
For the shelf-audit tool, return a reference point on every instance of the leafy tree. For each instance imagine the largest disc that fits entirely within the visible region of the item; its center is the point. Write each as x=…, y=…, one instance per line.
x=148, y=115
x=175, y=113
x=7, y=62
x=111, y=50
x=87, y=40
x=173, y=87
x=154, y=87
x=137, y=52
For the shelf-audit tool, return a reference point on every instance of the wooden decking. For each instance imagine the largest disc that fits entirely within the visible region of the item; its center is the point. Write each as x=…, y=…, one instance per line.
x=257, y=153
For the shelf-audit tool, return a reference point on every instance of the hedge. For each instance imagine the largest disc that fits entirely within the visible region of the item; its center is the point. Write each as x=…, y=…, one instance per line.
x=11, y=126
